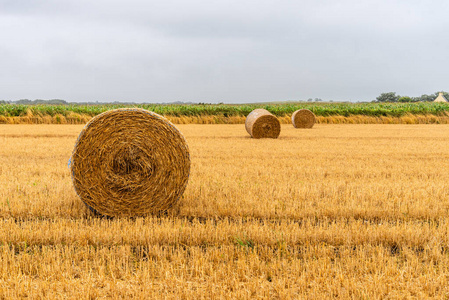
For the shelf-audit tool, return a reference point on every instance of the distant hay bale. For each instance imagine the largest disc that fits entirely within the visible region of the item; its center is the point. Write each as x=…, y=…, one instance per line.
x=130, y=162
x=260, y=123
x=303, y=118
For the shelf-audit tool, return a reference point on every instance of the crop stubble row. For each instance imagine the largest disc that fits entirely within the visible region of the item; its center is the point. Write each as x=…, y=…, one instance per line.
x=349, y=210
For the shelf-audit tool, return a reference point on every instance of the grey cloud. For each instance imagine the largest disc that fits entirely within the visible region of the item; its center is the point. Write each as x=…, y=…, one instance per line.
x=232, y=51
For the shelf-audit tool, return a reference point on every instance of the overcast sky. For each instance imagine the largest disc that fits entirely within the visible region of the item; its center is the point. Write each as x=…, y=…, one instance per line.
x=231, y=51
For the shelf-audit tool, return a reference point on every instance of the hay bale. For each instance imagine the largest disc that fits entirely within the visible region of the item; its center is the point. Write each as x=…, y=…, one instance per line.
x=130, y=162
x=303, y=118
x=260, y=123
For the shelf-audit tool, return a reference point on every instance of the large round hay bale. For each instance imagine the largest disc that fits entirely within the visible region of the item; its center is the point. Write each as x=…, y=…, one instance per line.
x=260, y=123
x=303, y=118
x=130, y=162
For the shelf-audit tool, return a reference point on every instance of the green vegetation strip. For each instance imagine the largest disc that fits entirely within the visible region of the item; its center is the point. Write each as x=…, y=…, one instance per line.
x=227, y=110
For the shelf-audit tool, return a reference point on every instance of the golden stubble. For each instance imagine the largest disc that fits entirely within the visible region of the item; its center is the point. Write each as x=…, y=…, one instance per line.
x=334, y=211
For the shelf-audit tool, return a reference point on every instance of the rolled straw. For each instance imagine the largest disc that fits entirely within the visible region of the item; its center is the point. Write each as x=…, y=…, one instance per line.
x=260, y=123
x=303, y=118
x=130, y=162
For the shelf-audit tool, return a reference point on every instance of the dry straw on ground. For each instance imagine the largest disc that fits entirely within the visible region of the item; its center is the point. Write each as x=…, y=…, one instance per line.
x=130, y=162
x=303, y=118
x=356, y=211
x=260, y=123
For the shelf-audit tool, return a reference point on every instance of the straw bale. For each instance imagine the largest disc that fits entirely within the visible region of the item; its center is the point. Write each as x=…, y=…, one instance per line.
x=260, y=123
x=303, y=118
x=130, y=162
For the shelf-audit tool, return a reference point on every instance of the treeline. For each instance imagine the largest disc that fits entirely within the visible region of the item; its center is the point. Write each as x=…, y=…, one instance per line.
x=384, y=97
x=392, y=97
x=36, y=102
x=374, y=109
x=63, y=102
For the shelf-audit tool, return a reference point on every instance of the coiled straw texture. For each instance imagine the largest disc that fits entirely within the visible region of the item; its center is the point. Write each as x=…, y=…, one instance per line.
x=260, y=123
x=303, y=118
x=130, y=162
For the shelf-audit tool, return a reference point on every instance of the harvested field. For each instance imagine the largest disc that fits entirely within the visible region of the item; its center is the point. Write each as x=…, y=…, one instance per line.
x=339, y=210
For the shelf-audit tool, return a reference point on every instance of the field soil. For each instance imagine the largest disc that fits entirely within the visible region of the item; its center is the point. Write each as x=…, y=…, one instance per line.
x=351, y=211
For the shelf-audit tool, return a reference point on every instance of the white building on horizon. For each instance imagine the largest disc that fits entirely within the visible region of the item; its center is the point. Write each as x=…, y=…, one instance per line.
x=440, y=98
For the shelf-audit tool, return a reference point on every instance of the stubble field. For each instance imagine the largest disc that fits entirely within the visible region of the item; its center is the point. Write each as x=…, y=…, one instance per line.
x=336, y=211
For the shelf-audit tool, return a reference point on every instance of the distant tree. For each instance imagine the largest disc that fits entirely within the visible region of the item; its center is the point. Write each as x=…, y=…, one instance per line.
x=23, y=101
x=424, y=97
x=57, y=102
x=405, y=99
x=40, y=101
x=428, y=98
x=309, y=100
x=388, y=97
